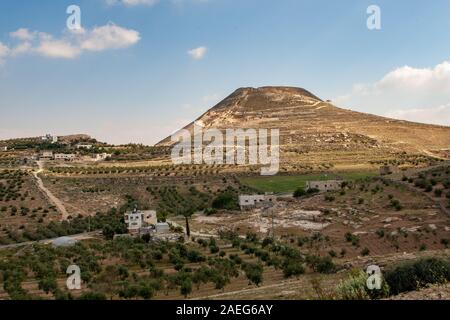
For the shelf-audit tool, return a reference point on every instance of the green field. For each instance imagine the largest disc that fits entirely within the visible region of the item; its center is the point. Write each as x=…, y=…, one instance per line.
x=285, y=184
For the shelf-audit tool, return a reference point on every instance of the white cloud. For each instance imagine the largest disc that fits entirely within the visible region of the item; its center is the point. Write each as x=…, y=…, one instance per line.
x=72, y=44
x=4, y=52
x=198, y=53
x=408, y=78
x=21, y=48
x=23, y=34
x=405, y=92
x=132, y=3
x=58, y=49
x=434, y=115
x=109, y=37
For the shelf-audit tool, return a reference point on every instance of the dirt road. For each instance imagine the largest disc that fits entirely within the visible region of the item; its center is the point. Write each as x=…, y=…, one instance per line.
x=58, y=203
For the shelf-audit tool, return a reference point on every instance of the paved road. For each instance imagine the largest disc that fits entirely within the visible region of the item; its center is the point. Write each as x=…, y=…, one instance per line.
x=58, y=203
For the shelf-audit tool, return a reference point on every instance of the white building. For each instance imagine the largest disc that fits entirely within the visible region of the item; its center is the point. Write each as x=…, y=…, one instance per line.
x=101, y=156
x=47, y=155
x=328, y=185
x=66, y=157
x=255, y=201
x=50, y=138
x=3, y=148
x=84, y=146
x=136, y=220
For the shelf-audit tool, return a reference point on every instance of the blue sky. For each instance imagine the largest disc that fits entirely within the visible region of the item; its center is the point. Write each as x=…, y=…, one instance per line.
x=130, y=77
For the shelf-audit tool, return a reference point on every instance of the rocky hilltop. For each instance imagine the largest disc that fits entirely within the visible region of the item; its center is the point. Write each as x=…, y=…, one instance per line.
x=320, y=131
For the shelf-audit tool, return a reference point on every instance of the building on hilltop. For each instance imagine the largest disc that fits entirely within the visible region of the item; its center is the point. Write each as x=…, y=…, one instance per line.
x=50, y=138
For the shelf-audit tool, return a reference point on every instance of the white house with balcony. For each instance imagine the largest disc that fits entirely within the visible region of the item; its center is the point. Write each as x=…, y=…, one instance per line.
x=137, y=220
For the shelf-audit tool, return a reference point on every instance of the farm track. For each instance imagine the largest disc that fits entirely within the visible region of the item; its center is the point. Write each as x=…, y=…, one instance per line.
x=58, y=203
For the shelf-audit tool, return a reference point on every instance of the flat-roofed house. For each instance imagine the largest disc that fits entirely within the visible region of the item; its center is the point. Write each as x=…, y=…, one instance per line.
x=326, y=185
x=255, y=201
x=101, y=156
x=84, y=146
x=138, y=220
x=64, y=156
x=47, y=155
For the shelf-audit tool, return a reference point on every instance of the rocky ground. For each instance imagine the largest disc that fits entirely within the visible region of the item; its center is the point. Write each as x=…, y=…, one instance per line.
x=441, y=292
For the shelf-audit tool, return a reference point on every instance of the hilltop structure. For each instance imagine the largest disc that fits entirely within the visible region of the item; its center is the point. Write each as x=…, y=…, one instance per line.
x=313, y=130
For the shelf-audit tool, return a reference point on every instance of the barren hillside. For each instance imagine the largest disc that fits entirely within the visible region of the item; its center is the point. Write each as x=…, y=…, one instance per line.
x=320, y=130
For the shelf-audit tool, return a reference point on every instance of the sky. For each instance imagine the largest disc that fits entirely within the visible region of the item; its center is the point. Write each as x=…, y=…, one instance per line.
x=137, y=70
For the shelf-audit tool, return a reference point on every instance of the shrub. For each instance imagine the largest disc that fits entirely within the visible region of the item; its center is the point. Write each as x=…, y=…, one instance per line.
x=195, y=256
x=354, y=239
x=312, y=191
x=299, y=192
x=365, y=252
x=411, y=276
x=214, y=249
x=396, y=204
x=292, y=267
x=380, y=233
x=321, y=265
x=226, y=200
x=186, y=287
x=254, y=272
x=210, y=211
x=332, y=253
